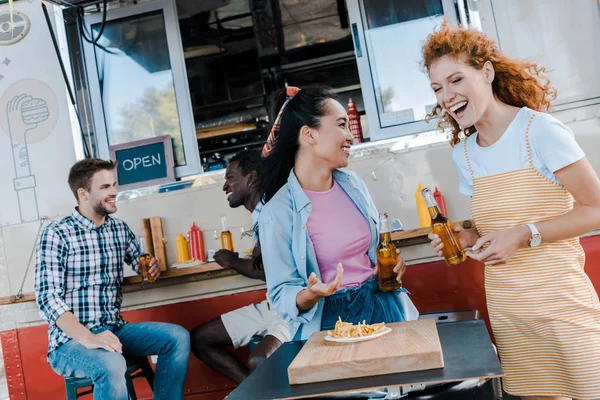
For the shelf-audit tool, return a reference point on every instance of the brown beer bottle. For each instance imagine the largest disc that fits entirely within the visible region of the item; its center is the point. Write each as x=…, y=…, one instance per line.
x=226, y=238
x=386, y=256
x=144, y=260
x=440, y=225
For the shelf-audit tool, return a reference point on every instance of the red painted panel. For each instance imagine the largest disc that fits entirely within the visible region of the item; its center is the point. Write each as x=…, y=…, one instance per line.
x=43, y=383
x=434, y=286
x=13, y=365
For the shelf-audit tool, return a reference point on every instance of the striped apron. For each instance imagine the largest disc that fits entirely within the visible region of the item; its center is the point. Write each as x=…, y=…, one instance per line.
x=543, y=309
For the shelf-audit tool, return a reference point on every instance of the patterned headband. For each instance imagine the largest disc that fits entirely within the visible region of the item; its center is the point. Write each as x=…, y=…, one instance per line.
x=269, y=146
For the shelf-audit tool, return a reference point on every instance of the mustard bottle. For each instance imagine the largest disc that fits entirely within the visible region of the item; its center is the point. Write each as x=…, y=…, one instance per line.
x=183, y=253
x=424, y=217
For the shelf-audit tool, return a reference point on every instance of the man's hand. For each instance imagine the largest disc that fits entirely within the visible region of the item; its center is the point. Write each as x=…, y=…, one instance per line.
x=154, y=268
x=226, y=258
x=321, y=289
x=104, y=340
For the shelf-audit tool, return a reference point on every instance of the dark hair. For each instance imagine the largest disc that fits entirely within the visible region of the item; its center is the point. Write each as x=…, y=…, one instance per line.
x=80, y=175
x=249, y=160
x=307, y=107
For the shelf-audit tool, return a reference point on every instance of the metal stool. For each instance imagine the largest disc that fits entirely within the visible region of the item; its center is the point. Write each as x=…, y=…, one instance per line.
x=133, y=365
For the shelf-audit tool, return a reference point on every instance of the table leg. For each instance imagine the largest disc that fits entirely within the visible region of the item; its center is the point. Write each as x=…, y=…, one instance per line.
x=497, y=387
x=394, y=393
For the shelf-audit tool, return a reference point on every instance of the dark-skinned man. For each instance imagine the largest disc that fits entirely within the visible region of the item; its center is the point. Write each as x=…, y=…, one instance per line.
x=211, y=339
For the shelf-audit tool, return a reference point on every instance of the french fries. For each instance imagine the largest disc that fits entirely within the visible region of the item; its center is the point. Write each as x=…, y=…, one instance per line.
x=349, y=330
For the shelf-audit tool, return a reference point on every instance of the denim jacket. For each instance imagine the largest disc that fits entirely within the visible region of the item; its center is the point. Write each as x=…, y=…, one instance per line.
x=288, y=253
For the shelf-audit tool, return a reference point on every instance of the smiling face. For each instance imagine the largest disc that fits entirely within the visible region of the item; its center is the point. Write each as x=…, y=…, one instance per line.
x=461, y=90
x=237, y=186
x=101, y=197
x=333, y=138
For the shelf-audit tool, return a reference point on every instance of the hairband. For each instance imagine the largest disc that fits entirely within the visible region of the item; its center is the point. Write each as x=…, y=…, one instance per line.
x=269, y=146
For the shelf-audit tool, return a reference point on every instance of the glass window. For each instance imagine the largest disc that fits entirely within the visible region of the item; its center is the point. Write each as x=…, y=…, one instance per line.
x=306, y=23
x=136, y=81
x=388, y=37
x=563, y=37
x=394, y=36
x=388, y=12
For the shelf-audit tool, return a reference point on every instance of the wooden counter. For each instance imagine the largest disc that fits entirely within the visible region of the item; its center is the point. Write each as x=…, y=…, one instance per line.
x=198, y=272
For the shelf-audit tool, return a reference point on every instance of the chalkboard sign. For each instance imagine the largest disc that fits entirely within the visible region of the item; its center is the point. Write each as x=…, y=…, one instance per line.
x=143, y=163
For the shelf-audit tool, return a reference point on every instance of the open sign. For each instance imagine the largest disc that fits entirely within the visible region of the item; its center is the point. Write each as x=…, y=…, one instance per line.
x=143, y=163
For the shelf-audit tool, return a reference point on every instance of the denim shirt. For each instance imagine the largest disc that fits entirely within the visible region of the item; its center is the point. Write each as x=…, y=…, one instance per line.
x=288, y=253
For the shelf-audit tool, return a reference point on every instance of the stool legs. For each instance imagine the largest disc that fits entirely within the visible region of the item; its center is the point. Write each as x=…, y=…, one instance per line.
x=131, y=389
x=140, y=363
x=71, y=392
x=148, y=373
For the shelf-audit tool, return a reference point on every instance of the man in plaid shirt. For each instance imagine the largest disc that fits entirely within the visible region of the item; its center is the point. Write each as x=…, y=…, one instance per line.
x=79, y=271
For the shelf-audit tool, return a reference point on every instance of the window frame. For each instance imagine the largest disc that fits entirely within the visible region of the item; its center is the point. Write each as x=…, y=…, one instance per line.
x=358, y=20
x=180, y=81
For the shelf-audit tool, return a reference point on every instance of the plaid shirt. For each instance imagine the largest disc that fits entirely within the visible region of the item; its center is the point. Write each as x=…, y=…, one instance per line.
x=79, y=268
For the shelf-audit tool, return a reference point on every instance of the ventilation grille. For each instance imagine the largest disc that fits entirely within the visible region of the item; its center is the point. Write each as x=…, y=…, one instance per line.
x=20, y=27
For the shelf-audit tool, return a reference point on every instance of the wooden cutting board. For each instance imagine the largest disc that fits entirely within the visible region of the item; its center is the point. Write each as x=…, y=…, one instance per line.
x=410, y=346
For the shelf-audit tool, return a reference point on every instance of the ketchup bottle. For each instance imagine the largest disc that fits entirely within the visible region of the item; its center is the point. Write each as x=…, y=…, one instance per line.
x=196, y=244
x=354, y=122
x=440, y=200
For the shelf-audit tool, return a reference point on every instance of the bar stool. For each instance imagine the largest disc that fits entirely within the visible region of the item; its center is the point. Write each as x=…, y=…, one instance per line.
x=134, y=365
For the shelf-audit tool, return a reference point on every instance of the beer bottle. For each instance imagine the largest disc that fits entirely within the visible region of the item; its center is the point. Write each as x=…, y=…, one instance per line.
x=386, y=256
x=144, y=260
x=440, y=225
x=226, y=238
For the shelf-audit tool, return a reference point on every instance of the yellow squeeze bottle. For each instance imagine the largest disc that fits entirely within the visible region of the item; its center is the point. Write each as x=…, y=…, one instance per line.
x=183, y=253
x=424, y=217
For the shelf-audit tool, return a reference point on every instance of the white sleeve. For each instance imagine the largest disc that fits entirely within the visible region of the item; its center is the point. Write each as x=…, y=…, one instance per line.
x=465, y=180
x=553, y=143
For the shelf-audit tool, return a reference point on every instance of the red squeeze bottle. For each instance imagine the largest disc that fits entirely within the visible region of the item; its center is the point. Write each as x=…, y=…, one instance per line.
x=196, y=244
x=440, y=200
x=354, y=122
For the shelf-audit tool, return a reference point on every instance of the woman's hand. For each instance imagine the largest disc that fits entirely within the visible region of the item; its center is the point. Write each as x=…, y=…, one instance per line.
x=466, y=237
x=316, y=290
x=504, y=243
x=399, y=269
x=320, y=289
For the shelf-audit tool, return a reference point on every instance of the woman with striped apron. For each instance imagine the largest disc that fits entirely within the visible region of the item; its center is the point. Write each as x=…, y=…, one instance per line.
x=522, y=170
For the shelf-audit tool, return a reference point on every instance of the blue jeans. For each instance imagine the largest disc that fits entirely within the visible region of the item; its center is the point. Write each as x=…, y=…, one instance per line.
x=171, y=343
x=362, y=303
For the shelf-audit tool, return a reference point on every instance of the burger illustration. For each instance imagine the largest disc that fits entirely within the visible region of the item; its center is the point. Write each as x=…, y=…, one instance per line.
x=34, y=111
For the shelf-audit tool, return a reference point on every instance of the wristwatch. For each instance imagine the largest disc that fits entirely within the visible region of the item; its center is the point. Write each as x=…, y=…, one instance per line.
x=536, y=238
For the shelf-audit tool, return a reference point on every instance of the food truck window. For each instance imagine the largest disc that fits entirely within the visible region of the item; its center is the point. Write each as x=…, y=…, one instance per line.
x=138, y=82
x=564, y=37
x=224, y=78
x=388, y=35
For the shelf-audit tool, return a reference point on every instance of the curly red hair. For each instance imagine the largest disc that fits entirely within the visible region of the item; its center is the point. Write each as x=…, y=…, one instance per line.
x=520, y=83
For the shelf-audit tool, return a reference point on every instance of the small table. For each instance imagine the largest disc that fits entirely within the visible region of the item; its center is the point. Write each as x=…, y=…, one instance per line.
x=468, y=354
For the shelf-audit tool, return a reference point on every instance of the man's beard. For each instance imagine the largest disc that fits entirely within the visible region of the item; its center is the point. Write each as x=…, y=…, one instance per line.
x=101, y=210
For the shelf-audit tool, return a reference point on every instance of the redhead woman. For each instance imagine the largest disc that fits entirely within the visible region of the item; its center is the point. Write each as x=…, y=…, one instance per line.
x=523, y=170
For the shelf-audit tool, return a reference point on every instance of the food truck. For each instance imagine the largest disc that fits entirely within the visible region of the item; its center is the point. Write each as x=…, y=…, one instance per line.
x=172, y=89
